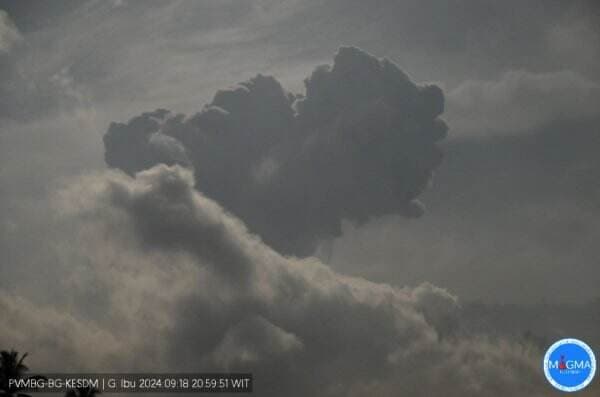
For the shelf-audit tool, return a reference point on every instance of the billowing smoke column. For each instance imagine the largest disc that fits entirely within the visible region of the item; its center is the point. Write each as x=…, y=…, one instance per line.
x=179, y=285
x=164, y=278
x=360, y=143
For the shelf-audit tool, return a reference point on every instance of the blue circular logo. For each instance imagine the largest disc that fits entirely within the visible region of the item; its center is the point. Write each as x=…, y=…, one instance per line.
x=569, y=365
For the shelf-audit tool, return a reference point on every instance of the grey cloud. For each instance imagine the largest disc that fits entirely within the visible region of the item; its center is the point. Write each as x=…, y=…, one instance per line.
x=34, y=159
x=9, y=34
x=30, y=88
x=151, y=145
x=542, y=323
x=30, y=94
x=361, y=142
x=469, y=38
x=513, y=218
x=254, y=340
x=300, y=327
x=168, y=148
x=521, y=101
x=54, y=333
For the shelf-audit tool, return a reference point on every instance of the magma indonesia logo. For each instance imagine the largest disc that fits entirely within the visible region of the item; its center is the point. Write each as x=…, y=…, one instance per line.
x=569, y=365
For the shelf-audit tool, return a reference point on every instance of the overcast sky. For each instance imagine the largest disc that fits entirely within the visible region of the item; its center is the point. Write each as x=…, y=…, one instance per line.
x=446, y=155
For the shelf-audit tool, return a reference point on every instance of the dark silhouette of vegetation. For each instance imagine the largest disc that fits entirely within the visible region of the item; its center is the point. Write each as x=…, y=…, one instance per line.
x=11, y=367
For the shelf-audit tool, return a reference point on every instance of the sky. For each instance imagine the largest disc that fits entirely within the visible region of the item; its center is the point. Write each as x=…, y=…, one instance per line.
x=342, y=197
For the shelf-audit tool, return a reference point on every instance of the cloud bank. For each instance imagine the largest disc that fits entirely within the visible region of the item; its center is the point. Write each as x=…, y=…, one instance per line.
x=168, y=280
x=361, y=142
x=521, y=102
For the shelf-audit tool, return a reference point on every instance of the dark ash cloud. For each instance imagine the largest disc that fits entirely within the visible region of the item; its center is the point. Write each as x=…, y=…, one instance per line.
x=360, y=143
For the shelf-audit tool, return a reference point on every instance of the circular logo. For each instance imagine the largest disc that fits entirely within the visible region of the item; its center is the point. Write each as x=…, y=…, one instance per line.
x=569, y=365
